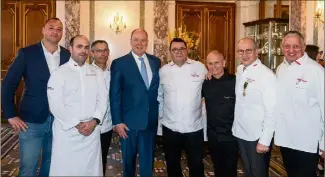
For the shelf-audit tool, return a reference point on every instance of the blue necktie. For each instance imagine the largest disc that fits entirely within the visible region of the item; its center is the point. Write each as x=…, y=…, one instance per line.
x=144, y=73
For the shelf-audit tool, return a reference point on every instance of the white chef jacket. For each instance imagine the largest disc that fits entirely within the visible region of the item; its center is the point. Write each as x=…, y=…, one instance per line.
x=300, y=105
x=179, y=96
x=107, y=122
x=254, y=113
x=76, y=94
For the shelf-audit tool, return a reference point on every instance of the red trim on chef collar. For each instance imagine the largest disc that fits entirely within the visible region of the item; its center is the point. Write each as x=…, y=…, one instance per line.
x=297, y=62
x=255, y=65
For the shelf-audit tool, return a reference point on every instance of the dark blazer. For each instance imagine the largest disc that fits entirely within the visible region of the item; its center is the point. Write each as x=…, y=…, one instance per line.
x=130, y=100
x=30, y=64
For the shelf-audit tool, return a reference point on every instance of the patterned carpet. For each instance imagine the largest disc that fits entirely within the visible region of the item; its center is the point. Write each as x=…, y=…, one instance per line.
x=10, y=159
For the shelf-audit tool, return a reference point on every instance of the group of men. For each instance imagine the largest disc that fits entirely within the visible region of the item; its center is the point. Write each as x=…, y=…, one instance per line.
x=69, y=107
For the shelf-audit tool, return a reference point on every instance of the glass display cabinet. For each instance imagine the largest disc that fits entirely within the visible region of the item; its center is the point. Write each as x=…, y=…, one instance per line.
x=268, y=34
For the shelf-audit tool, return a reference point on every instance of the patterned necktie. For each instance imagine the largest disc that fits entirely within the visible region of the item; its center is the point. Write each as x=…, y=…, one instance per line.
x=144, y=73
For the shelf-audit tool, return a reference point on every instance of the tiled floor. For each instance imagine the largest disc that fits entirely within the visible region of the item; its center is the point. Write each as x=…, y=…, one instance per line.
x=10, y=159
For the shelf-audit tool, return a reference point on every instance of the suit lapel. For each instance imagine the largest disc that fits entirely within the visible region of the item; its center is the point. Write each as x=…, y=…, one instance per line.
x=152, y=67
x=44, y=67
x=62, y=56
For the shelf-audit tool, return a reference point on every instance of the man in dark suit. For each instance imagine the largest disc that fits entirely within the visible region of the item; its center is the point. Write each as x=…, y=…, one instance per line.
x=34, y=64
x=134, y=105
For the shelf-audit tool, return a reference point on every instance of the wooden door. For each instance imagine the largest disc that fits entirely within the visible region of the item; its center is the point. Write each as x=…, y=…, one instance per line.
x=22, y=22
x=216, y=24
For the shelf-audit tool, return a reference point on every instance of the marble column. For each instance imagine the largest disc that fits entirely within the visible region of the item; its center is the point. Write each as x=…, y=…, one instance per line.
x=72, y=20
x=142, y=14
x=298, y=16
x=160, y=47
x=92, y=20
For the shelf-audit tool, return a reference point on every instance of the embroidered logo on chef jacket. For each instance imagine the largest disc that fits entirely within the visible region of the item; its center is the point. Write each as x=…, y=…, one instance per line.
x=300, y=80
x=91, y=72
x=194, y=74
x=50, y=88
x=249, y=80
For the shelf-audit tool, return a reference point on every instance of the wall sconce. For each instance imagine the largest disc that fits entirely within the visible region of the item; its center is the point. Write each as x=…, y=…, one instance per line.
x=117, y=24
x=319, y=13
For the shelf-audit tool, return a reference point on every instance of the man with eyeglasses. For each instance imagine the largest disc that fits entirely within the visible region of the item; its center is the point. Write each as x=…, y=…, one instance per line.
x=100, y=53
x=180, y=110
x=300, y=108
x=254, y=110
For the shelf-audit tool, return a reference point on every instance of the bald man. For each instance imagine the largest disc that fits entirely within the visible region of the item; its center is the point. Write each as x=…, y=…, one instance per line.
x=254, y=110
x=219, y=95
x=134, y=106
x=77, y=97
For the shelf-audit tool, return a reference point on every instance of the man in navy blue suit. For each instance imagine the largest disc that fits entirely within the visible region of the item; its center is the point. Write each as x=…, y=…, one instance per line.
x=134, y=105
x=34, y=64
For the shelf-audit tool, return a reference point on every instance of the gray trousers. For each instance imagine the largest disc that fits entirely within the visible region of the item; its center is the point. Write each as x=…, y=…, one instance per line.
x=255, y=164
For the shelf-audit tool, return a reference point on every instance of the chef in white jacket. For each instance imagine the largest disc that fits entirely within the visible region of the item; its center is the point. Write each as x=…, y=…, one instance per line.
x=100, y=53
x=299, y=130
x=78, y=100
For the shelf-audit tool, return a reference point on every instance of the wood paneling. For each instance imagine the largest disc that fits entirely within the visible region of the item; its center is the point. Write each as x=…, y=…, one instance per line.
x=22, y=22
x=215, y=22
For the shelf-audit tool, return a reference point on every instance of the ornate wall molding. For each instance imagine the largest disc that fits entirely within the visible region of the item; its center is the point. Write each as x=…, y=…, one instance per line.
x=72, y=20
x=91, y=21
x=160, y=47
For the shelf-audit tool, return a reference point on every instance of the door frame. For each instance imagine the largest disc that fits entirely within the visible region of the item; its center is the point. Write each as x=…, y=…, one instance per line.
x=230, y=47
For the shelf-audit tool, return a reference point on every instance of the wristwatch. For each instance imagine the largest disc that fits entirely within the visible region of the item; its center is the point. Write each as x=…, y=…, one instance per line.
x=97, y=120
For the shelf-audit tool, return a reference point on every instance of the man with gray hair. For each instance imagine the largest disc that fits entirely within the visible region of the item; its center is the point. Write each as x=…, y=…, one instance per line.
x=100, y=53
x=299, y=111
x=219, y=95
x=254, y=109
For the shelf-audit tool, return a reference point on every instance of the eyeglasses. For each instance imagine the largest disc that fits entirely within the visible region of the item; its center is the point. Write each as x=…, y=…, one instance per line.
x=176, y=50
x=321, y=53
x=101, y=51
x=247, y=51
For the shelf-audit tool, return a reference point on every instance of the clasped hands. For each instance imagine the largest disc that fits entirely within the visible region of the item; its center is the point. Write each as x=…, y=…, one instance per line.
x=86, y=128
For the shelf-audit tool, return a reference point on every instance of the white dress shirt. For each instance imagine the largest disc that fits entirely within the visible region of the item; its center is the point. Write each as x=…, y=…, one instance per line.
x=107, y=122
x=52, y=60
x=146, y=62
x=300, y=105
x=179, y=96
x=254, y=112
x=76, y=94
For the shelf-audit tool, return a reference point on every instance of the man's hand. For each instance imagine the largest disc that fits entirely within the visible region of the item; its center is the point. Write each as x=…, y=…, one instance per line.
x=120, y=129
x=322, y=153
x=260, y=148
x=17, y=124
x=208, y=76
x=86, y=128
